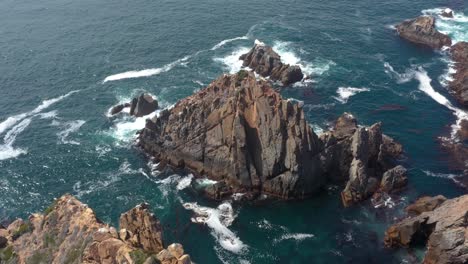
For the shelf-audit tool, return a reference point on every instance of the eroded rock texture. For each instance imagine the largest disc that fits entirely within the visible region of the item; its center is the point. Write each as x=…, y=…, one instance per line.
x=240, y=132
x=441, y=226
x=266, y=62
x=69, y=232
x=421, y=30
x=459, y=85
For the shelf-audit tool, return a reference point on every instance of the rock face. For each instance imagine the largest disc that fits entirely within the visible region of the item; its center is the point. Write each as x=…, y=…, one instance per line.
x=422, y=30
x=69, y=232
x=266, y=62
x=443, y=230
x=459, y=85
x=145, y=104
x=241, y=133
x=425, y=204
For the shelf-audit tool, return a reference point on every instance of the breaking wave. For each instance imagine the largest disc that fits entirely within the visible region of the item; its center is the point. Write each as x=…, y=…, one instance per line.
x=344, y=93
x=224, y=42
x=218, y=220
x=456, y=27
x=69, y=127
x=231, y=62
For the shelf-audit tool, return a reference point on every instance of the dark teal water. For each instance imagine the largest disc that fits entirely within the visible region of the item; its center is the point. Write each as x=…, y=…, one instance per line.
x=56, y=137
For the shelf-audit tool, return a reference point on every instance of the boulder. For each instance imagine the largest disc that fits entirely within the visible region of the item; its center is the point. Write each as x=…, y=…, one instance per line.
x=448, y=13
x=145, y=229
x=459, y=85
x=394, y=179
x=266, y=62
x=117, y=109
x=425, y=204
x=144, y=105
x=421, y=30
x=443, y=230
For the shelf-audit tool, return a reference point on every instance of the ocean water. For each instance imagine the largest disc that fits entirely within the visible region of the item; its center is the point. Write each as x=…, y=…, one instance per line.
x=65, y=63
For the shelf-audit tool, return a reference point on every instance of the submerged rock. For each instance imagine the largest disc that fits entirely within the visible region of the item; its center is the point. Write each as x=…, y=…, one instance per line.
x=266, y=62
x=422, y=30
x=459, y=85
x=241, y=133
x=69, y=232
x=443, y=230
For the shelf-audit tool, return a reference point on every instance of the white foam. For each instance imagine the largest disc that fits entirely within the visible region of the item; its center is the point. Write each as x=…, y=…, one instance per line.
x=295, y=236
x=6, y=150
x=344, y=93
x=68, y=128
x=224, y=42
x=259, y=43
x=146, y=72
x=12, y=120
x=126, y=127
x=185, y=182
x=48, y=115
x=456, y=27
x=231, y=62
x=218, y=220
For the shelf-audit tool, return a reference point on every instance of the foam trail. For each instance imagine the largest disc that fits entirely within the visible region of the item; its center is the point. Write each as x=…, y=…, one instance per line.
x=185, y=182
x=426, y=87
x=6, y=150
x=12, y=120
x=344, y=93
x=224, y=42
x=296, y=236
x=218, y=219
x=146, y=72
x=70, y=127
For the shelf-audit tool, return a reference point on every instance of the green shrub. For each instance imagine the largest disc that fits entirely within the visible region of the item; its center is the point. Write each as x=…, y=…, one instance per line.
x=138, y=256
x=241, y=75
x=22, y=229
x=49, y=209
x=6, y=254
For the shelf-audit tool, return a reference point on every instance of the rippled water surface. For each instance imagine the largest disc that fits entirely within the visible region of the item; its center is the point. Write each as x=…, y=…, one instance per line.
x=65, y=63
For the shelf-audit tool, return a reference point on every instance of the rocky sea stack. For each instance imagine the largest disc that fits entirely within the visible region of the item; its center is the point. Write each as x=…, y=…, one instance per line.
x=440, y=224
x=266, y=62
x=69, y=232
x=145, y=104
x=243, y=134
x=422, y=30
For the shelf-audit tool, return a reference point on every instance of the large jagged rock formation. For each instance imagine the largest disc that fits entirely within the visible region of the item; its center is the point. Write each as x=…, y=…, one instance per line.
x=145, y=104
x=240, y=132
x=459, y=85
x=442, y=226
x=422, y=30
x=266, y=62
x=69, y=232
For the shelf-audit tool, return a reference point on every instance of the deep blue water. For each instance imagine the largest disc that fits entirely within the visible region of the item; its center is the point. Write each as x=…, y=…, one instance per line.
x=56, y=137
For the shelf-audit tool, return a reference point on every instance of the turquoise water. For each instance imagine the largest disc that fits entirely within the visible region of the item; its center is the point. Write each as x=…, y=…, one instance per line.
x=65, y=63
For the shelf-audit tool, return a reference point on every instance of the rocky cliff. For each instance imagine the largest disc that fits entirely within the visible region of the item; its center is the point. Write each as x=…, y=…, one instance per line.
x=243, y=134
x=422, y=30
x=266, y=62
x=69, y=232
x=440, y=224
x=459, y=85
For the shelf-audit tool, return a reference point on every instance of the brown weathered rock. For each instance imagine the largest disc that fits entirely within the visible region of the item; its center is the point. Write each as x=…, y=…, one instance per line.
x=444, y=230
x=240, y=130
x=422, y=30
x=459, y=85
x=69, y=232
x=144, y=105
x=425, y=204
x=266, y=62
x=394, y=179
x=145, y=229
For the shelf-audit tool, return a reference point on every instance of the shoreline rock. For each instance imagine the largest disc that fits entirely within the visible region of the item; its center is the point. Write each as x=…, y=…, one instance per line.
x=69, y=232
x=143, y=105
x=241, y=133
x=265, y=61
x=459, y=85
x=421, y=30
x=441, y=225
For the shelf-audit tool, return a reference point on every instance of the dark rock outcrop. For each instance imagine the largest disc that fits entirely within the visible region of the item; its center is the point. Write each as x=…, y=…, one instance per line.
x=241, y=133
x=422, y=30
x=69, y=232
x=394, y=179
x=443, y=230
x=425, y=204
x=145, y=104
x=447, y=13
x=459, y=85
x=266, y=62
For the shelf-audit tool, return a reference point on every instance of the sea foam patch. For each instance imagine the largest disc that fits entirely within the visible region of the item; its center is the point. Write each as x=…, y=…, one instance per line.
x=344, y=93
x=231, y=62
x=456, y=27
